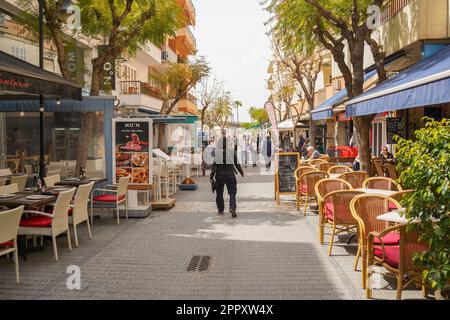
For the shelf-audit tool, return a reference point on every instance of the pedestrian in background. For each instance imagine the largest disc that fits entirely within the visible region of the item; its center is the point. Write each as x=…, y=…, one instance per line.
x=267, y=150
x=224, y=171
x=253, y=150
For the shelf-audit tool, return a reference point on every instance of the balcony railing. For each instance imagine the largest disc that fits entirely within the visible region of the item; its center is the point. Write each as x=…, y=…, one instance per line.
x=138, y=87
x=191, y=35
x=392, y=7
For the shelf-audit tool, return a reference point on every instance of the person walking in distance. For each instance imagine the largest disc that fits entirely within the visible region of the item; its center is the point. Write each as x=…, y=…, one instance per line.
x=253, y=150
x=224, y=171
x=267, y=151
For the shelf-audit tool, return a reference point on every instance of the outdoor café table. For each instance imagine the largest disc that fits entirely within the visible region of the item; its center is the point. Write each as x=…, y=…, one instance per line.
x=393, y=217
x=79, y=182
x=20, y=199
x=387, y=193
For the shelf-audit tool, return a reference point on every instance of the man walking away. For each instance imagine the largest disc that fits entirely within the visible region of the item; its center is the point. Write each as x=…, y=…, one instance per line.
x=253, y=148
x=267, y=151
x=224, y=170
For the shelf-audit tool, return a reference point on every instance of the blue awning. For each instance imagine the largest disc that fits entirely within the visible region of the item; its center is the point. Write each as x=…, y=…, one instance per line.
x=325, y=110
x=425, y=83
x=87, y=104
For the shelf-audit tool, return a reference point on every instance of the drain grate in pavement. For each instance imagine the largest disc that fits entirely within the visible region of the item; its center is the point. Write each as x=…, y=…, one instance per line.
x=199, y=263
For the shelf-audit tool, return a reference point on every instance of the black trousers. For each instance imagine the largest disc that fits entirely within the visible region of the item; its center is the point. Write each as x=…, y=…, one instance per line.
x=231, y=183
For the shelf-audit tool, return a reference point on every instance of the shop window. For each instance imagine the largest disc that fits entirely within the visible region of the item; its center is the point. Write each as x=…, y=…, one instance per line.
x=433, y=112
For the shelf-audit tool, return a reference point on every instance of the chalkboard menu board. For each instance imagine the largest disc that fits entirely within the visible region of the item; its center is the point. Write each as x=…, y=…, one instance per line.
x=394, y=127
x=285, y=179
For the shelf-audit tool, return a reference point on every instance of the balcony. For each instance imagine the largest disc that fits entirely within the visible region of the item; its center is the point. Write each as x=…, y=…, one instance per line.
x=168, y=55
x=138, y=93
x=189, y=11
x=188, y=105
x=149, y=54
x=185, y=42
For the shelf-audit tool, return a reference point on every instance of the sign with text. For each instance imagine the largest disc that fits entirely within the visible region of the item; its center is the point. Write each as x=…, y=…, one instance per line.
x=108, y=81
x=132, y=149
x=285, y=182
x=394, y=127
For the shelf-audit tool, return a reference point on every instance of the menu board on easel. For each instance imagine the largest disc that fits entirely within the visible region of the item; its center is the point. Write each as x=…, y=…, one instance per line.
x=132, y=150
x=285, y=182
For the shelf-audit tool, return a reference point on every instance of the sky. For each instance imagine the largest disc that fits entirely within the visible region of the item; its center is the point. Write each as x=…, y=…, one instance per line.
x=231, y=35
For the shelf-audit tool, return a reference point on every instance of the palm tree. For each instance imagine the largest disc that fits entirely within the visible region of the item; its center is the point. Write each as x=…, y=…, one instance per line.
x=237, y=104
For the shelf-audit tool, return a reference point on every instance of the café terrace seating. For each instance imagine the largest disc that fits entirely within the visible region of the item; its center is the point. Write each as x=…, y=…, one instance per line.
x=339, y=169
x=355, y=178
x=381, y=183
x=9, y=226
x=308, y=181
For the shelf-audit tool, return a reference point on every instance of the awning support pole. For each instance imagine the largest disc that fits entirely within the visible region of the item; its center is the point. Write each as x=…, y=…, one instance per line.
x=42, y=163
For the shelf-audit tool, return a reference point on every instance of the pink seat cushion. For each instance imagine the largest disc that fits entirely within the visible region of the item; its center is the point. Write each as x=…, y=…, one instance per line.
x=391, y=239
x=392, y=206
x=329, y=211
x=36, y=222
x=392, y=254
x=108, y=198
x=7, y=244
x=301, y=188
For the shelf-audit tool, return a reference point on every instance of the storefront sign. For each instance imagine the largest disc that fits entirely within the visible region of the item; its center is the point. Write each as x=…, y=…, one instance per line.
x=7, y=80
x=394, y=127
x=132, y=150
x=285, y=182
x=109, y=73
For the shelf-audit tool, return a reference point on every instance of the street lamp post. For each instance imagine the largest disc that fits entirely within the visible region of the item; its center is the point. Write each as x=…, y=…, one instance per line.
x=42, y=164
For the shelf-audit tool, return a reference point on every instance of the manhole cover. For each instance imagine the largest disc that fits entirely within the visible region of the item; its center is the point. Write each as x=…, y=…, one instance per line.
x=199, y=263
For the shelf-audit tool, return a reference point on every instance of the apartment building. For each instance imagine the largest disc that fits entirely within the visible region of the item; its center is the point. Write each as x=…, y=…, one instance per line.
x=410, y=31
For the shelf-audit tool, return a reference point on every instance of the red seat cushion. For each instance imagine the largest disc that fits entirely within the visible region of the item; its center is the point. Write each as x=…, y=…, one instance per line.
x=391, y=239
x=392, y=206
x=392, y=254
x=329, y=211
x=36, y=222
x=302, y=188
x=108, y=198
x=7, y=244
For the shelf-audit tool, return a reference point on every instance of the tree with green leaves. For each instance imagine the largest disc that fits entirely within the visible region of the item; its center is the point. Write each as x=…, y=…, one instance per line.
x=259, y=114
x=221, y=112
x=335, y=25
x=424, y=166
x=237, y=104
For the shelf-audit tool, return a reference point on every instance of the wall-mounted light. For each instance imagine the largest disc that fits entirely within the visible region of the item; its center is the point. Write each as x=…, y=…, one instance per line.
x=58, y=102
x=22, y=113
x=41, y=109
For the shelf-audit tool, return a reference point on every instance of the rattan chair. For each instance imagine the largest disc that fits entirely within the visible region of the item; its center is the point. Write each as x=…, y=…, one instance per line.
x=79, y=212
x=315, y=162
x=365, y=209
x=339, y=169
x=9, y=226
x=325, y=166
x=379, y=168
x=9, y=188
x=337, y=213
x=21, y=181
x=322, y=188
x=355, y=178
x=116, y=196
x=53, y=225
x=397, y=260
x=308, y=181
x=391, y=171
x=50, y=181
x=300, y=186
x=325, y=157
x=3, y=181
x=381, y=183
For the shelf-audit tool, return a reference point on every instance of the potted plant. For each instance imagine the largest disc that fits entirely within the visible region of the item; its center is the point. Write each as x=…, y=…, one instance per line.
x=425, y=168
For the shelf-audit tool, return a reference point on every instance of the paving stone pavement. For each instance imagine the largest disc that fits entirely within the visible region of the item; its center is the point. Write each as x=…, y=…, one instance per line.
x=267, y=252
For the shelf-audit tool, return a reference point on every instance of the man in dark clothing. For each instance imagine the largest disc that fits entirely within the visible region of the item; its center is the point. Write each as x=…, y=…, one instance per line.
x=301, y=142
x=224, y=170
x=257, y=143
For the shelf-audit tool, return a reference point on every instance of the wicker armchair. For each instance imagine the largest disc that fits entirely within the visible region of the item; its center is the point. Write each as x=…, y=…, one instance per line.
x=379, y=168
x=381, y=183
x=21, y=181
x=398, y=260
x=53, y=225
x=50, y=181
x=325, y=157
x=9, y=226
x=325, y=166
x=339, y=169
x=322, y=188
x=365, y=209
x=315, y=162
x=308, y=181
x=9, y=188
x=80, y=209
x=391, y=171
x=355, y=178
x=337, y=212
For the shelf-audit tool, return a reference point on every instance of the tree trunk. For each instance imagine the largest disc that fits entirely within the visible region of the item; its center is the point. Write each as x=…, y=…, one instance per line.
x=363, y=124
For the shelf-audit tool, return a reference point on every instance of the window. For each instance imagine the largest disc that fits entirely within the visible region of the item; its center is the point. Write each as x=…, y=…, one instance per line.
x=129, y=73
x=18, y=52
x=2, y=19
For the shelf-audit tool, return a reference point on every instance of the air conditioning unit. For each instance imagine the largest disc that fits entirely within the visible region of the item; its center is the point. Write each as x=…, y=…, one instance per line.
x=164, y=55
x=337, y=85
